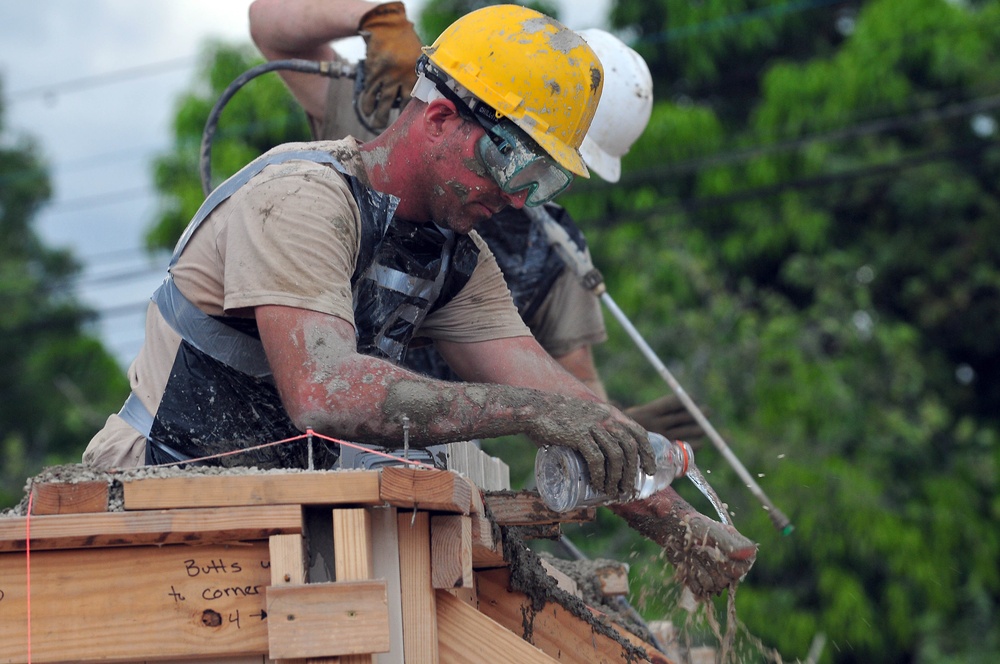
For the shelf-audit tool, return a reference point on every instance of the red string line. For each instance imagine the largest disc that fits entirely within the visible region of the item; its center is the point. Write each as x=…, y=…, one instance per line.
x=27, y=570
x=309, y=432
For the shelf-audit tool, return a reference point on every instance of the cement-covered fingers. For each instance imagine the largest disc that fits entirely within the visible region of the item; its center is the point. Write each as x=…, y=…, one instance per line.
x=613, y=446
x=708, y=556
x=390, y=63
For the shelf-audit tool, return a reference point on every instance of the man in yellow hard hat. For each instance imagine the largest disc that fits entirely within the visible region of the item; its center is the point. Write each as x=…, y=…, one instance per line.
x=563, y=315
x=297, y=288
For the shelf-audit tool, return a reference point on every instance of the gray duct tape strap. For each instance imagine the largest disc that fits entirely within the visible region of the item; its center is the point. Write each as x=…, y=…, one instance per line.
x=240, y=178
x=137, y=415
x=212, y=337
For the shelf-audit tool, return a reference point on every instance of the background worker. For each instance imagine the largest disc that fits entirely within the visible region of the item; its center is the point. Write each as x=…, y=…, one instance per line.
x=563, y=316
x=298, y=286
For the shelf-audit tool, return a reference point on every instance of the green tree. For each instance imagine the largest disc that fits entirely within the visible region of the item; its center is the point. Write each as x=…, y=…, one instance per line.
x=57, y=382
x=259, y=116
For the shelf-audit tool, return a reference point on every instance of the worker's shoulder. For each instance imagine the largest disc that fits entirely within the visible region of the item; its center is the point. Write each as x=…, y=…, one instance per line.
x=319, y=157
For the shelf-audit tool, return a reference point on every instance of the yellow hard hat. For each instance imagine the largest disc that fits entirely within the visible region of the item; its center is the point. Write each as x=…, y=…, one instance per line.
x=529, y=68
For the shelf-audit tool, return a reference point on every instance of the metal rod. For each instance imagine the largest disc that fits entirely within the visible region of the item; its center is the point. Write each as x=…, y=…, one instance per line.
x=781, y=522
x=578, y=259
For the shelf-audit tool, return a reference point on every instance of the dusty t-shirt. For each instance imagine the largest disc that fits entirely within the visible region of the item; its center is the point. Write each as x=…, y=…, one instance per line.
x=569, y=316
x=289, y=237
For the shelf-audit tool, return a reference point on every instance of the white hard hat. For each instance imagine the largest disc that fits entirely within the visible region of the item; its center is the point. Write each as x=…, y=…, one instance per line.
x=625, y=106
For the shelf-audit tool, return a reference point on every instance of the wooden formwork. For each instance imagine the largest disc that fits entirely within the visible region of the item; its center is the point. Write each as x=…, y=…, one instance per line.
x=390, y=566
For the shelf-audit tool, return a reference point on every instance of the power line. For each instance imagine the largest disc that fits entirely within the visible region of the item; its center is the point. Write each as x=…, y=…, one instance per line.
x=99, y=80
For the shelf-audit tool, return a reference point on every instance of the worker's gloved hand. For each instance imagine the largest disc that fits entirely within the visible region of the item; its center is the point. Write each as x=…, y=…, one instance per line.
x=390, y=63
x=707, y=556
x=668, y=417
x=613, y=446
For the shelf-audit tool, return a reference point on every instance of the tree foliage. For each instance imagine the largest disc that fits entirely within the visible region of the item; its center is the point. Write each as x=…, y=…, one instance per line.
x=57, y=382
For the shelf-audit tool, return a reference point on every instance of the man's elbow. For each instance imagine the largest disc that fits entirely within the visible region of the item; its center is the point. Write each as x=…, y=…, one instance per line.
x=261, y=18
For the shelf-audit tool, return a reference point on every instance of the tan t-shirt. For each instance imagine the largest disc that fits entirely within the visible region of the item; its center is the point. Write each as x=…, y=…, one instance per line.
x=290, y=237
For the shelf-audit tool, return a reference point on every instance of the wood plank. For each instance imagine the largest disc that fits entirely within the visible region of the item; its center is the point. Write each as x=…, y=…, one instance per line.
x=385, y=536
x=112, y=529
x=440, y=490
x=136, y=603
x=342, y=487
x=69, y=497
x=552, y=628
x=487, y=551
x=562, y=579
x=327, y=619
x=525, y=508
x=288, y=565
x=420, y=644
x=466, y=636
x=352, y=544
x=354, y=558
x=451, y=551
x=288, y=568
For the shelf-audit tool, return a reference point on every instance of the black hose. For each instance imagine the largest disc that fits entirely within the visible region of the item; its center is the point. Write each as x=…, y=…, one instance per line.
x=332, y=69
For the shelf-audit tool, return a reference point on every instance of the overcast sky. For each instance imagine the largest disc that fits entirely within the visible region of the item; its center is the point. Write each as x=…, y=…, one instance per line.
x=95, y=82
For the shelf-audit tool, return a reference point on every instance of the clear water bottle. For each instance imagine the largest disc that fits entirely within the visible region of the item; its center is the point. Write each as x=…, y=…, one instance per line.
x=563, y=480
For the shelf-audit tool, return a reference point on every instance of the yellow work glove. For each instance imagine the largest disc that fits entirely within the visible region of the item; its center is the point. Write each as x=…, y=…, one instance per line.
x=668, y=417
x=390, y=64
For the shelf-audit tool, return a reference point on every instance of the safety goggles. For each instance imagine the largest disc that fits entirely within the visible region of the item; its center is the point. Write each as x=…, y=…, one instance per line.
x=515, y=162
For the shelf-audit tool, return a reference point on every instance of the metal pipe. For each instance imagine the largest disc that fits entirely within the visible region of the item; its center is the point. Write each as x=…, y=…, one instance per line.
x=579, y=261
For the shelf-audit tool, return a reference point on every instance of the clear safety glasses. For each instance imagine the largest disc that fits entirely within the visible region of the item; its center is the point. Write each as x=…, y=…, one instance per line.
x=510, y=156
x=515, y=162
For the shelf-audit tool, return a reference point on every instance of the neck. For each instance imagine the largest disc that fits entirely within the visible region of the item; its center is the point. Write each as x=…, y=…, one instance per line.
x=394, y=169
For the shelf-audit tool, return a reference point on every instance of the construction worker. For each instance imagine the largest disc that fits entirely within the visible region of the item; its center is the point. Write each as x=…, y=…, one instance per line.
x=296, y=289
x=563, y=316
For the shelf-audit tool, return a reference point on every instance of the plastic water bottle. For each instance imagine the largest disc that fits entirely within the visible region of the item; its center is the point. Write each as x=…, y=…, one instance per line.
x=563, y=480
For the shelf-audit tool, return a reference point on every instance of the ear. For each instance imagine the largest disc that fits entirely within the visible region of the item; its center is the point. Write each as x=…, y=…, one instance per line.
x=439, y=115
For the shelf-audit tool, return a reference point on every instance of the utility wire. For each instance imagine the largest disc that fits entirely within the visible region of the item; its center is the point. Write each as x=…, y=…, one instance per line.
x=99, y=80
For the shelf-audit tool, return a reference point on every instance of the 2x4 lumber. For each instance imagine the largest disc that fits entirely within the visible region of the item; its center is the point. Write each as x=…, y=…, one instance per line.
x=353, y=557
x=346, y=487
x=327, y=619
x=562, y=579
x=487, y=551
x=352, y=544
x=525, y=508
x=69, y=497
x=385, y=535
x=136, y=603
x=114, y=529
x=417, y=599
x=552, y=628
x=439, y=490
x=288, y=565
x=466, y=636
x=451, y=551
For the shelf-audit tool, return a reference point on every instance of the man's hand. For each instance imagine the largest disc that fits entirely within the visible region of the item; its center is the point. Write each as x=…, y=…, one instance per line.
x=390, y=64
x=668, y=417
x=708, y=556
x=613, y=446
